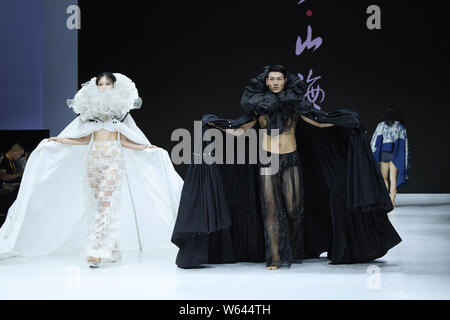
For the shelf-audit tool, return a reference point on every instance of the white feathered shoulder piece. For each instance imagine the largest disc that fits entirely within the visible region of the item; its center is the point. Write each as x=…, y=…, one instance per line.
x=91, y=103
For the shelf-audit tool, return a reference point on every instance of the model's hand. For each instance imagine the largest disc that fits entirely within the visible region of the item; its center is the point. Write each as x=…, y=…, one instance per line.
x=56, y=139
x=150, y=146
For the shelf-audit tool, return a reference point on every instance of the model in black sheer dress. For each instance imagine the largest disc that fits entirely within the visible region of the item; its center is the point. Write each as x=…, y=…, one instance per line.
x=282, y=193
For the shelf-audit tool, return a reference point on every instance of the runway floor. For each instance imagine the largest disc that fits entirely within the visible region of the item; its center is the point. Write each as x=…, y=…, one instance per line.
x=418, y=268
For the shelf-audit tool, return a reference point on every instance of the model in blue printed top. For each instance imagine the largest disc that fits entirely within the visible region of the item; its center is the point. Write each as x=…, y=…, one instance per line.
x=390, y=148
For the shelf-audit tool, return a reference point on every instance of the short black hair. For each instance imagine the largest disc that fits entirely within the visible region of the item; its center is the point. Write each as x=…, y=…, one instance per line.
x=277, y=68
x=108, y=75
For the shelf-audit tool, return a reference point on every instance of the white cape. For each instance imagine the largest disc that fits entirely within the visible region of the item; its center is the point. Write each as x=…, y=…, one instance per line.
x=49, y=214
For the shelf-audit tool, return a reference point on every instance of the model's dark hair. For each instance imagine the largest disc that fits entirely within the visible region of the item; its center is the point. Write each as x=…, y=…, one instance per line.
x=392, y=114
x=108, y=75
x=277, y=68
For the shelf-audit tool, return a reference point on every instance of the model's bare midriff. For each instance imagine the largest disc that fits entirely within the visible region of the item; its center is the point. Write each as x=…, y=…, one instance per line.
x=105, y=135
x=285, y=141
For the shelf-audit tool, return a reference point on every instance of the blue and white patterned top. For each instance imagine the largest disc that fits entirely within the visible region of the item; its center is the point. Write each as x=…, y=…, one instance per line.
x=390, y=133
x=392, y=139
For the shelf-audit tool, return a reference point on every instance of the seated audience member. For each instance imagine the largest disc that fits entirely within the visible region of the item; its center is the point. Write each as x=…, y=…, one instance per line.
x=9, y=168
x=7, y=196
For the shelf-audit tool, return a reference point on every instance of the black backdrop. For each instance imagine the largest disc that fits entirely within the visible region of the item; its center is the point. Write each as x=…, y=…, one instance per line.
x=189, y=58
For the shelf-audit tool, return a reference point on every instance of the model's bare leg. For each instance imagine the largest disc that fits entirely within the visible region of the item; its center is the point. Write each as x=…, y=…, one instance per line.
x=393, y=178
x=384, y=166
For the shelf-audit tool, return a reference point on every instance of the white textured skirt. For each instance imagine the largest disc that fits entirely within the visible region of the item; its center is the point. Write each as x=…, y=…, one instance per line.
x=104, y=172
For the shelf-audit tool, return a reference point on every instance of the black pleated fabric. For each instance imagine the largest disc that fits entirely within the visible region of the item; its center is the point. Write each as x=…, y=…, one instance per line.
x=203, y=211
x=345, y=202
x=242, y=193
x=219, y=218
x=204, y=208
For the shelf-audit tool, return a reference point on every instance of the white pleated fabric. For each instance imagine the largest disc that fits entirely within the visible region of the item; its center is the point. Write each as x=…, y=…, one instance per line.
x=50, y=213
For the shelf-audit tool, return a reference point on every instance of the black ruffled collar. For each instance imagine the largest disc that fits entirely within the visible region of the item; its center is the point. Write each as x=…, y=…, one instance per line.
x=121, y=119
x=279, y=108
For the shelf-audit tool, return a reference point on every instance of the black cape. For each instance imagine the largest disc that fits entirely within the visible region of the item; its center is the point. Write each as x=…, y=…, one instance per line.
x=345, y=202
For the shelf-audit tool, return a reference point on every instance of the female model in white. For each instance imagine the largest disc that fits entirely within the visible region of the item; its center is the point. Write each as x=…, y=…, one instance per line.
x=99, y=185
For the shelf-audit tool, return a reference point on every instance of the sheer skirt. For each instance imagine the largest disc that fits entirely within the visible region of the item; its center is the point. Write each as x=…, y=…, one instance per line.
x=282, y=199
x=104, y=171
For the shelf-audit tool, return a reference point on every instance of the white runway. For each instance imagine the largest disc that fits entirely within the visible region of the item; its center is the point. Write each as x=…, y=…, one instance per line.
x=418, y=268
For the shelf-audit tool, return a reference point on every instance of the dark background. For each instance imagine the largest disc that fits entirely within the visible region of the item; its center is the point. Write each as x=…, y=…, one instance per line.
x=28, y=138
x=189, y=58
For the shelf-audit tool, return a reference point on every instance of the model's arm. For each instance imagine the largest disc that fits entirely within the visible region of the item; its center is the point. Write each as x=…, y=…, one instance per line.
x=134, y=146
x=74, y=141
x=239, y=130
x=314, y=123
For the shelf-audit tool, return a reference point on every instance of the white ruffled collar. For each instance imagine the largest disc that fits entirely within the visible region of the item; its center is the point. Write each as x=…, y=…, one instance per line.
x=91, y=103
